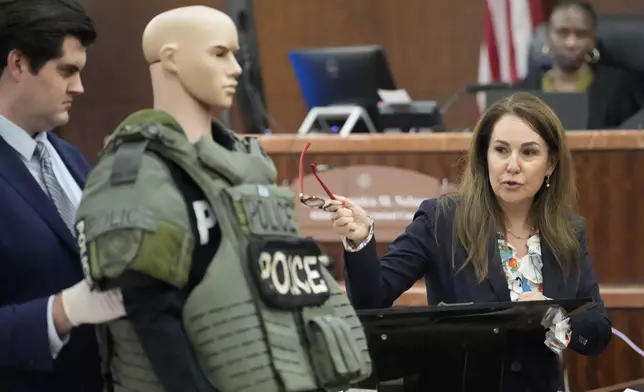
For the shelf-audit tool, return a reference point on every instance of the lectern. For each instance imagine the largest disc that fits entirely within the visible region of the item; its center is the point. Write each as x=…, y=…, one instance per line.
x=458, y=347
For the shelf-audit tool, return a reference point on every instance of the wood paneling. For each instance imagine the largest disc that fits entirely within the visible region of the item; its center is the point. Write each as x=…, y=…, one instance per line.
x=610, y=170
x=619, y=363
x=432, y=47
x=633, y=7
x=428, y=50
x=610, y=176
x=116, y=78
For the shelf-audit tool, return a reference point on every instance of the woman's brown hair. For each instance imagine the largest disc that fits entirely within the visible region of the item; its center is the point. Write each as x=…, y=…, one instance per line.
x=478, y=214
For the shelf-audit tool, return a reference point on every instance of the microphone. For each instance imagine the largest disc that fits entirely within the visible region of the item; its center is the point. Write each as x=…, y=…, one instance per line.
x=473, y=88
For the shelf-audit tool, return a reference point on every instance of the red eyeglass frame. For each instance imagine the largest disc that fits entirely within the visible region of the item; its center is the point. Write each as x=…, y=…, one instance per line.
x=312, y=201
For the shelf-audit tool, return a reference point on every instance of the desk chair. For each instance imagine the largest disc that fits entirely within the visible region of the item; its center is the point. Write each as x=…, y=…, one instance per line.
x=620, y=41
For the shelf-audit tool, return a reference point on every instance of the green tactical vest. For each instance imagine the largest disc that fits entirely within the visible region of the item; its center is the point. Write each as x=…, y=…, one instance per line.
x=267, y=316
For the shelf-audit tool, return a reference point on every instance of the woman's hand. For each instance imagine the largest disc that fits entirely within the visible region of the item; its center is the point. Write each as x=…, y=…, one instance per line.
x=349, y=220
x=532, y=296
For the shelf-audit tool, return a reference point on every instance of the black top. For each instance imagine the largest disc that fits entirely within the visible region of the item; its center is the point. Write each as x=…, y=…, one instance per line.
x=614, y=95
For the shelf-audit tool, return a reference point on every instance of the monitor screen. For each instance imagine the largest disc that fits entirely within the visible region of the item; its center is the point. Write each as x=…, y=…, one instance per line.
x=342, y=75
x=570, y=107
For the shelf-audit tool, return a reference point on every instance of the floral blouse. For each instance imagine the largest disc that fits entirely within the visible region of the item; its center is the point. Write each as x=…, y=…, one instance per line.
x=524, y=275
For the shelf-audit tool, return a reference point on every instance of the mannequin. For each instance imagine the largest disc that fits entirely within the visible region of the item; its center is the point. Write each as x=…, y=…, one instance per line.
x=193, y=69
x=220, y=290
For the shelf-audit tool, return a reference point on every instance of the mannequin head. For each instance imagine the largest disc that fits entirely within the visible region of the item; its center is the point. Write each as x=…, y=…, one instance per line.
x=191, y=53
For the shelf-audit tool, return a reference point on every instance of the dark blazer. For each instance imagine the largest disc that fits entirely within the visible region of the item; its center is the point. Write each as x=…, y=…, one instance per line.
x=614, y=95
x=425, y=250
x=39, y=257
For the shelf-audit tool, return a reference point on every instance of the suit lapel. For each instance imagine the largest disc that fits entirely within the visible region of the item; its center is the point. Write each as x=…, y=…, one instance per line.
x=552, y=278
x=13, y=169
x=78, y=172
x=496, y=276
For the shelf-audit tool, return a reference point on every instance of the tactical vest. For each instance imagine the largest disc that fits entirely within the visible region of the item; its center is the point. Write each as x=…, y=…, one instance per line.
x=267, y=316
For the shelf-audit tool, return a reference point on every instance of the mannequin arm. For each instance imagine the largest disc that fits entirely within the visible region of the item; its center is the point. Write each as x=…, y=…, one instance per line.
x=154, y=309
x=154, y=302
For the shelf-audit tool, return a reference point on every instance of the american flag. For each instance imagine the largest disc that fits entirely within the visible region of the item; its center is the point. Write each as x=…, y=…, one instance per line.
x=508, y=26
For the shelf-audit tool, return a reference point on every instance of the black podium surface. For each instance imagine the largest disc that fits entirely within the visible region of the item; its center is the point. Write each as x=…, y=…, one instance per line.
x=462, y=345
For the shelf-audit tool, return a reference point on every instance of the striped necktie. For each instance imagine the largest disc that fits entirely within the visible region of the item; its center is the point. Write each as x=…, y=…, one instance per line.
x=54, y=190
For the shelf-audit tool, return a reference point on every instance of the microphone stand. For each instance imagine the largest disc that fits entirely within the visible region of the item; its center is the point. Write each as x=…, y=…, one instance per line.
x=254, y=101
x=452, y=99
x=259, y=110
x=472, y=88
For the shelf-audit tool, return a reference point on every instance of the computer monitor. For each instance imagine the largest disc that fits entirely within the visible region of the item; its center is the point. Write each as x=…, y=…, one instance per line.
x=571, y=108
x=349, y=75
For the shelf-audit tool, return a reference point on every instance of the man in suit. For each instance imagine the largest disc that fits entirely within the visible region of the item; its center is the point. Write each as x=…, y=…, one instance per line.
x=43, y=296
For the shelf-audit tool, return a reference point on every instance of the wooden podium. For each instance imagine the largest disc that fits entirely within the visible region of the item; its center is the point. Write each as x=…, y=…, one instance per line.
x=610, y=177
x=636, y=385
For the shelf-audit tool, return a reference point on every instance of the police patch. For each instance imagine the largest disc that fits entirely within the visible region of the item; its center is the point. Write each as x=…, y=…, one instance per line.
x=117, y=249
x=288, y=272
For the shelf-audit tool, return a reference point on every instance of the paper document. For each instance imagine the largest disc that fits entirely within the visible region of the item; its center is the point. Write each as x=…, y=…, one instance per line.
x=394, y=96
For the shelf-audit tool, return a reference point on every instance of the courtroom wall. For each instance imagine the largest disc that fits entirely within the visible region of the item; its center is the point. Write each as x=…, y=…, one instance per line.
x=432, y=46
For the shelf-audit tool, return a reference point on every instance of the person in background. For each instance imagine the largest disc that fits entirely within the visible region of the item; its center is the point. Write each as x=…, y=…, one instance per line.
x=614, y=95
x=43, y=50
x=508, y=234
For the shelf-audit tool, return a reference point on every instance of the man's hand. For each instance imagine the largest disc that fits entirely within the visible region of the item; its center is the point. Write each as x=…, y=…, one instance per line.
x=80, y=305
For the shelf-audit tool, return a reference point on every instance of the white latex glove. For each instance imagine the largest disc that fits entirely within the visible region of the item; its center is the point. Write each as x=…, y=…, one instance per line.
x=84, y=306
x=349, y=220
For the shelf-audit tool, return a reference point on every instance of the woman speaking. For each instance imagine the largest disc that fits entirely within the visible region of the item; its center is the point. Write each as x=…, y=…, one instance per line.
x=509, y=233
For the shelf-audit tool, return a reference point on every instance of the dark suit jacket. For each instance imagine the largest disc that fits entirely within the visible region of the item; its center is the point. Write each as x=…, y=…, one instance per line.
x=39, y=257
x=614, y=95
x=425, y=250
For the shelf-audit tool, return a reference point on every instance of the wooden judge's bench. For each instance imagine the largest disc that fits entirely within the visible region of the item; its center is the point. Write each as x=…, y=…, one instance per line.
x=389, y=174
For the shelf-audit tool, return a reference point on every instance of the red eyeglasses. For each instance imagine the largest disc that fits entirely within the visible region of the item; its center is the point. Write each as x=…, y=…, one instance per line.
x=312, y=201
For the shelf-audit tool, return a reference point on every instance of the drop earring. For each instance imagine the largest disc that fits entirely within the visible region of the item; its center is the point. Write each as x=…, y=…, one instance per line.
x=593, y=56
x=547, y=181
x=545, y=50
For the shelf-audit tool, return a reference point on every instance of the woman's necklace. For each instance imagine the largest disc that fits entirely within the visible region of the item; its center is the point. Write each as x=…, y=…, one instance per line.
x=521, y=238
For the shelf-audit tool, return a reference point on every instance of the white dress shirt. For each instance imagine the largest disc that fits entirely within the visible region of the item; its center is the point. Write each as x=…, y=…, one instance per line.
x=25, y=145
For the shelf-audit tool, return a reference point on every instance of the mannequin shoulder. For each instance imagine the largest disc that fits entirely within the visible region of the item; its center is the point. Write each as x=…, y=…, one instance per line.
x=135, y=175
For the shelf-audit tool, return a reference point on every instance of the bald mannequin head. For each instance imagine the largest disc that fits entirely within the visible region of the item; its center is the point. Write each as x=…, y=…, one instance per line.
x=195, y=45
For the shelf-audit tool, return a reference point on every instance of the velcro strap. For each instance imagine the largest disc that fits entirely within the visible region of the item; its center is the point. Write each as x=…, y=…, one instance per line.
x=127, y=162
x=347, y=346
x=332, y=346
x=335, y=356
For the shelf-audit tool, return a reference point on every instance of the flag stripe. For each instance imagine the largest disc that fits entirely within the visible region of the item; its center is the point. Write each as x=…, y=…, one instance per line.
x=536, y=12
x=508, y=29
x=511, y=54
x=491, y=43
